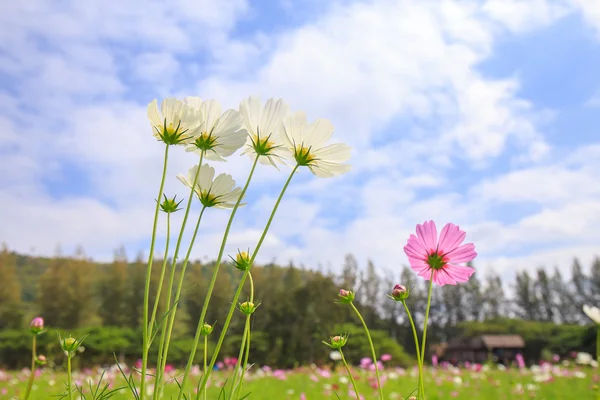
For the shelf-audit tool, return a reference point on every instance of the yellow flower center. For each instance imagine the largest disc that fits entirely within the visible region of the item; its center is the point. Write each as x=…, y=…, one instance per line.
x=262, y=145
x=205, y=141
x=303, y=155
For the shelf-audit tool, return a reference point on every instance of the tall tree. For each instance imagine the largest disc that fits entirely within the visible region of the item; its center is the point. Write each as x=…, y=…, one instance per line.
x=11, y=312
x=370, y=293
x=113, y=291
x=544, y=295
x=525, y=299
x=136, y=273
x=493, y=297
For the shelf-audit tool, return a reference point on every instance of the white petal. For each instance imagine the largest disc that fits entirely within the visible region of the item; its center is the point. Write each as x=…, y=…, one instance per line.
x=318, y=133
x=206, y=176
x=337, y=152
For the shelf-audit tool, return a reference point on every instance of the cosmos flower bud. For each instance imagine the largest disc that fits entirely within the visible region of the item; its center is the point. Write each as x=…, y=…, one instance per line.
x=41, y=360
x=206, y=329
x=71, y=345
x=170, y=205
x=248, y=307
x=337, y=342
x=242, y=261
x=399, y=293
x=36, y=325
x=346, y=296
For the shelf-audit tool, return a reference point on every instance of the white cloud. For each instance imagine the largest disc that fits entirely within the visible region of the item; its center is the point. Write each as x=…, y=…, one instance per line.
x=366, y=66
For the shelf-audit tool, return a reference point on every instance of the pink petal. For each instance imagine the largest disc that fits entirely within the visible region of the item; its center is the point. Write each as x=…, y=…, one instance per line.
x=460, y=273
x=428, y=234
x=413, y=249
x=441, y=277
x=417, y=244
x=450, y=237
x=462, y=254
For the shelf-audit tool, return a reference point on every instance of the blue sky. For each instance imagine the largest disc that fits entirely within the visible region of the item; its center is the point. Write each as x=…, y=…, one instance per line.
x=481, y=113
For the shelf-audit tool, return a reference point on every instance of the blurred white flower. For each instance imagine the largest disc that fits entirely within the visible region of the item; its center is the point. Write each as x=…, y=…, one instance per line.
x=335, y=355
x=592, y=312
x=583, y=358
x=219, y=134
x=579, y=374
x=220, y=192
x=264, y=125
x=307, y=143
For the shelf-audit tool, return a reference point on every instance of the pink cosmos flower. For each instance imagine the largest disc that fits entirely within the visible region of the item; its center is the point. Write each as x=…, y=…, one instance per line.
x=444, y=256
x=386, y=357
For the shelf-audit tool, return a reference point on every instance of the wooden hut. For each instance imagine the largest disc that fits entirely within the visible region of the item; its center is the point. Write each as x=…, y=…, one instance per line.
x=500, y=348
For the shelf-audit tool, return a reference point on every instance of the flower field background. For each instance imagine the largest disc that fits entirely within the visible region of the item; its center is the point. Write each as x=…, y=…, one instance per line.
x=561, y=381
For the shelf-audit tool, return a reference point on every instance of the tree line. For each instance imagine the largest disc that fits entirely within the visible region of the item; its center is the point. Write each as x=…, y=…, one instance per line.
x=298, y=307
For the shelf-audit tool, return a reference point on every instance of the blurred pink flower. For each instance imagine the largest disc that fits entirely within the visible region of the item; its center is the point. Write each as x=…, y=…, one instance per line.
x=434, y=360
x=556, y=358
x=325, y=373
x=386, y=357
x=302, y=396
x=520, y=360
x=444, y=256
x=279, y=374
x=365, y=362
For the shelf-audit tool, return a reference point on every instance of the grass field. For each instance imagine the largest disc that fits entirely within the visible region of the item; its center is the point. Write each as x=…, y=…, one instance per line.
x=539, y=382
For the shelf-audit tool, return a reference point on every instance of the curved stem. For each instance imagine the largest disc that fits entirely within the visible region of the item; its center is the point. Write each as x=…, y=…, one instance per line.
x=247, y=329
x=416, y=337
x=32, y=376
x=372, y=349
x=165, y=336
x=425, y=328
x=241, y=284
x=213, y=280
x=350, y=375
x=146, y=334
x=69, y=379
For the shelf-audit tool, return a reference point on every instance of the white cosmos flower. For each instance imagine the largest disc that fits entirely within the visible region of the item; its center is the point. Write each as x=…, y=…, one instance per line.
x=307, y=144
x=264, y=126
x=592, y=312
x=176, y=122
x=218, y=192
x=219, y=134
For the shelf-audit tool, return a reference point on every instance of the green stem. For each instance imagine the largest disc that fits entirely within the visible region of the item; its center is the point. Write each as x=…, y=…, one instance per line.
x=213, y=280
x=32, y=376
x=425, y=328
x=597, y=358
x=146, y=334
x=241, y=285
x=350, y=375
x=372, y=349
x=245, y=365
x=162, y=275
x=416, y=338
x=166, y=333
x=205, y=358
x=156, y=393
x=239, y=361
x=69, y=377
